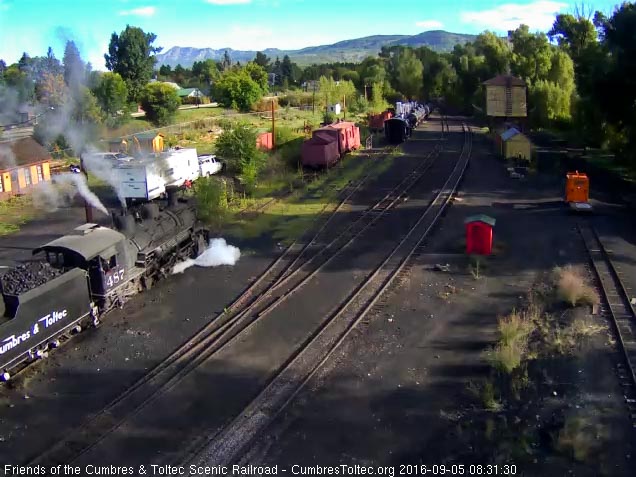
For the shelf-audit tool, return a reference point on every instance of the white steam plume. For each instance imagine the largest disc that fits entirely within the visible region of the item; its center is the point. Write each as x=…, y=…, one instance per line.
x=7, y=158
x=9, y=102
x=217, y=253
x=103, y=169
x=79, y=181
x=51, y=196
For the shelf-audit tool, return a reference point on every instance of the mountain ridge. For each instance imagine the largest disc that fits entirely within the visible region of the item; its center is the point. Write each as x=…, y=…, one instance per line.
x=353, y=50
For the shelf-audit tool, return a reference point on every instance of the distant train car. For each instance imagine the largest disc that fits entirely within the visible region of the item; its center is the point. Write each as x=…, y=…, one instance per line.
x=396, y=130
x=328, y=144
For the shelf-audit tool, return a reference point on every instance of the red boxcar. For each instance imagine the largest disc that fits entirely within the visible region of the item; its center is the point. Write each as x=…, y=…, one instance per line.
x=320, y=151
x=264, y=141
x=338, y=135
x=351, y=135
x=376, y=121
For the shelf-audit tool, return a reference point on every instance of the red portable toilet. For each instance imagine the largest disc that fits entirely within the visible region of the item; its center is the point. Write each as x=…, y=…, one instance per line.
x=479, y=234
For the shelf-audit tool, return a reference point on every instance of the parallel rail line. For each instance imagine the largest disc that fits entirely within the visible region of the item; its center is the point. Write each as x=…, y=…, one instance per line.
x=618, y=307
x=225, y=446
x=226, y=326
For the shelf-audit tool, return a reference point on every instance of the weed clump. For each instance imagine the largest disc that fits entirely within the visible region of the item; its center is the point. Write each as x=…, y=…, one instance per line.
x=572, y=288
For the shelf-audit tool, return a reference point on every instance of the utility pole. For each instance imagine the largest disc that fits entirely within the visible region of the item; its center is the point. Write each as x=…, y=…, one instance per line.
x=344, y=106
x=365, y=92
x=273, y=127
x=313, y=101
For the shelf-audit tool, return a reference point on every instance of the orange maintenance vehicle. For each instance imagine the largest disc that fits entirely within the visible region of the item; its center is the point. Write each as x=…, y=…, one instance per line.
x=577, y=191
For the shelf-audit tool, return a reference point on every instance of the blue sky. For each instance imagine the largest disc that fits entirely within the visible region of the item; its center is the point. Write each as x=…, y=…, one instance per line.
x=33, y=25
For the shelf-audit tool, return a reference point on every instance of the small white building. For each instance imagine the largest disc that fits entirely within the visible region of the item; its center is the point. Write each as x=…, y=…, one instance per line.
x=334, y=108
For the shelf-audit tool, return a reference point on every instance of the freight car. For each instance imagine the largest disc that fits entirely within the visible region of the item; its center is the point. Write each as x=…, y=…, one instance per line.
x=84, y=275
x=397, y=130
x=328, y=144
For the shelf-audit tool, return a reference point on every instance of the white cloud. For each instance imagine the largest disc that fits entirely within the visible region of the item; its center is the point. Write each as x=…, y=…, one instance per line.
x=227, y=2
x=429, y=24
x=538, y=15
x=141, y=12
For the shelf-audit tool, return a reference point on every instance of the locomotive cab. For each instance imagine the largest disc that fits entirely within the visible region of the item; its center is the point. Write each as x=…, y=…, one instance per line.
x=98, y=250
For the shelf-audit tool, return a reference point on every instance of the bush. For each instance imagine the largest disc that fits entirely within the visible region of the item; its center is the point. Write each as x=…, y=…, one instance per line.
x=237, y=146
x=506, y=358
x=329, y=117
x=264, y=105
x=572, y=288
x=212, y=201
x=160, y=102
x=284, y=135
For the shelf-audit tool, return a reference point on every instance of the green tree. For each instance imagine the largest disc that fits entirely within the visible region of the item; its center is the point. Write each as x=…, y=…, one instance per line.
x=226, y=63
x=495, y=52
x=237, y=146
x=409, y=73
x=262, y=60
x=236, y=89
x=531, y=58
x=286, y=69
x=616, y=80
x=165, y=71
x=52, y=90
x=160, y=102
x=85, y=108
x=131, y=55
x=258, y=74
x=74, y=67
x=112, y=94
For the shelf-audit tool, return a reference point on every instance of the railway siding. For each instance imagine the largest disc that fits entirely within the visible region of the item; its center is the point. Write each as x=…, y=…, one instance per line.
x=197, y=372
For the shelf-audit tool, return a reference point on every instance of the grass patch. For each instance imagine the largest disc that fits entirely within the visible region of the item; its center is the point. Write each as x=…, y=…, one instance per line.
x=289, y=218
x=580, y=438
x=15, y=212
x=572, y=287
x=486, y=393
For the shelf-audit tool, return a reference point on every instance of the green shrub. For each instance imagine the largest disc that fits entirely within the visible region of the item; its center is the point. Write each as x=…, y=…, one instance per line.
x=211, y=199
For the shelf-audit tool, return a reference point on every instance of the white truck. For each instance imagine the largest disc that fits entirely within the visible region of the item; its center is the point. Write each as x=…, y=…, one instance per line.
x=147, y=179
x=209, y=164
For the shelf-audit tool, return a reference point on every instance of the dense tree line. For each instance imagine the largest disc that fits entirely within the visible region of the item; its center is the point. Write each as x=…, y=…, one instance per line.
x=579, y=75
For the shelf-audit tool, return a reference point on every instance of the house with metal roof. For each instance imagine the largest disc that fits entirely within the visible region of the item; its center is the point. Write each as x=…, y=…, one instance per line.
x=24, y=163
x=514, y=144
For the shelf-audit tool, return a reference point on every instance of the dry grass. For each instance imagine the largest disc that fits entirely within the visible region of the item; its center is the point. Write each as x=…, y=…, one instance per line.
x=580, y=438
x=514, y=328
x=572, y=287
x=506, y=358
x=486, y=393
x=512, y=345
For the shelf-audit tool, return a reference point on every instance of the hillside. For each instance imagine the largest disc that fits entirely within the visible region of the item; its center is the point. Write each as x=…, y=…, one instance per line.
x=347, y=50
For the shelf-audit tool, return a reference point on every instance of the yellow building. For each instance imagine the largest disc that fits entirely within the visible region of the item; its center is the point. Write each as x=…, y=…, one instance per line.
x=516, y=145
x=147, y=143
x=24, y=163
x=506, y=97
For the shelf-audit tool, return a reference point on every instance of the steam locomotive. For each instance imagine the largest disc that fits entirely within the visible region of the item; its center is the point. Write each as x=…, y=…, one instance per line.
x=84, y=275
x=407, y=117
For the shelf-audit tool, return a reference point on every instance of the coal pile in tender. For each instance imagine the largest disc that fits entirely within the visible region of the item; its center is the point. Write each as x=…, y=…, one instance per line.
x=28, y=276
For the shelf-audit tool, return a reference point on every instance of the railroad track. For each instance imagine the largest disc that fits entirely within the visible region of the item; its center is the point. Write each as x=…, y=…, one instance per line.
x=616, y=305
x=256, y=301
x=227, y=445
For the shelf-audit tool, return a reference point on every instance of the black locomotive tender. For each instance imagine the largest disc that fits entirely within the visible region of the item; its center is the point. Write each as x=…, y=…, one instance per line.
x=87, y=273
x=400, y=127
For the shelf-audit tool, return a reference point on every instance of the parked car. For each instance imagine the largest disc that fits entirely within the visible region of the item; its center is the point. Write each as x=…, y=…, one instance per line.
x=209, y=164
x=115, y=157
